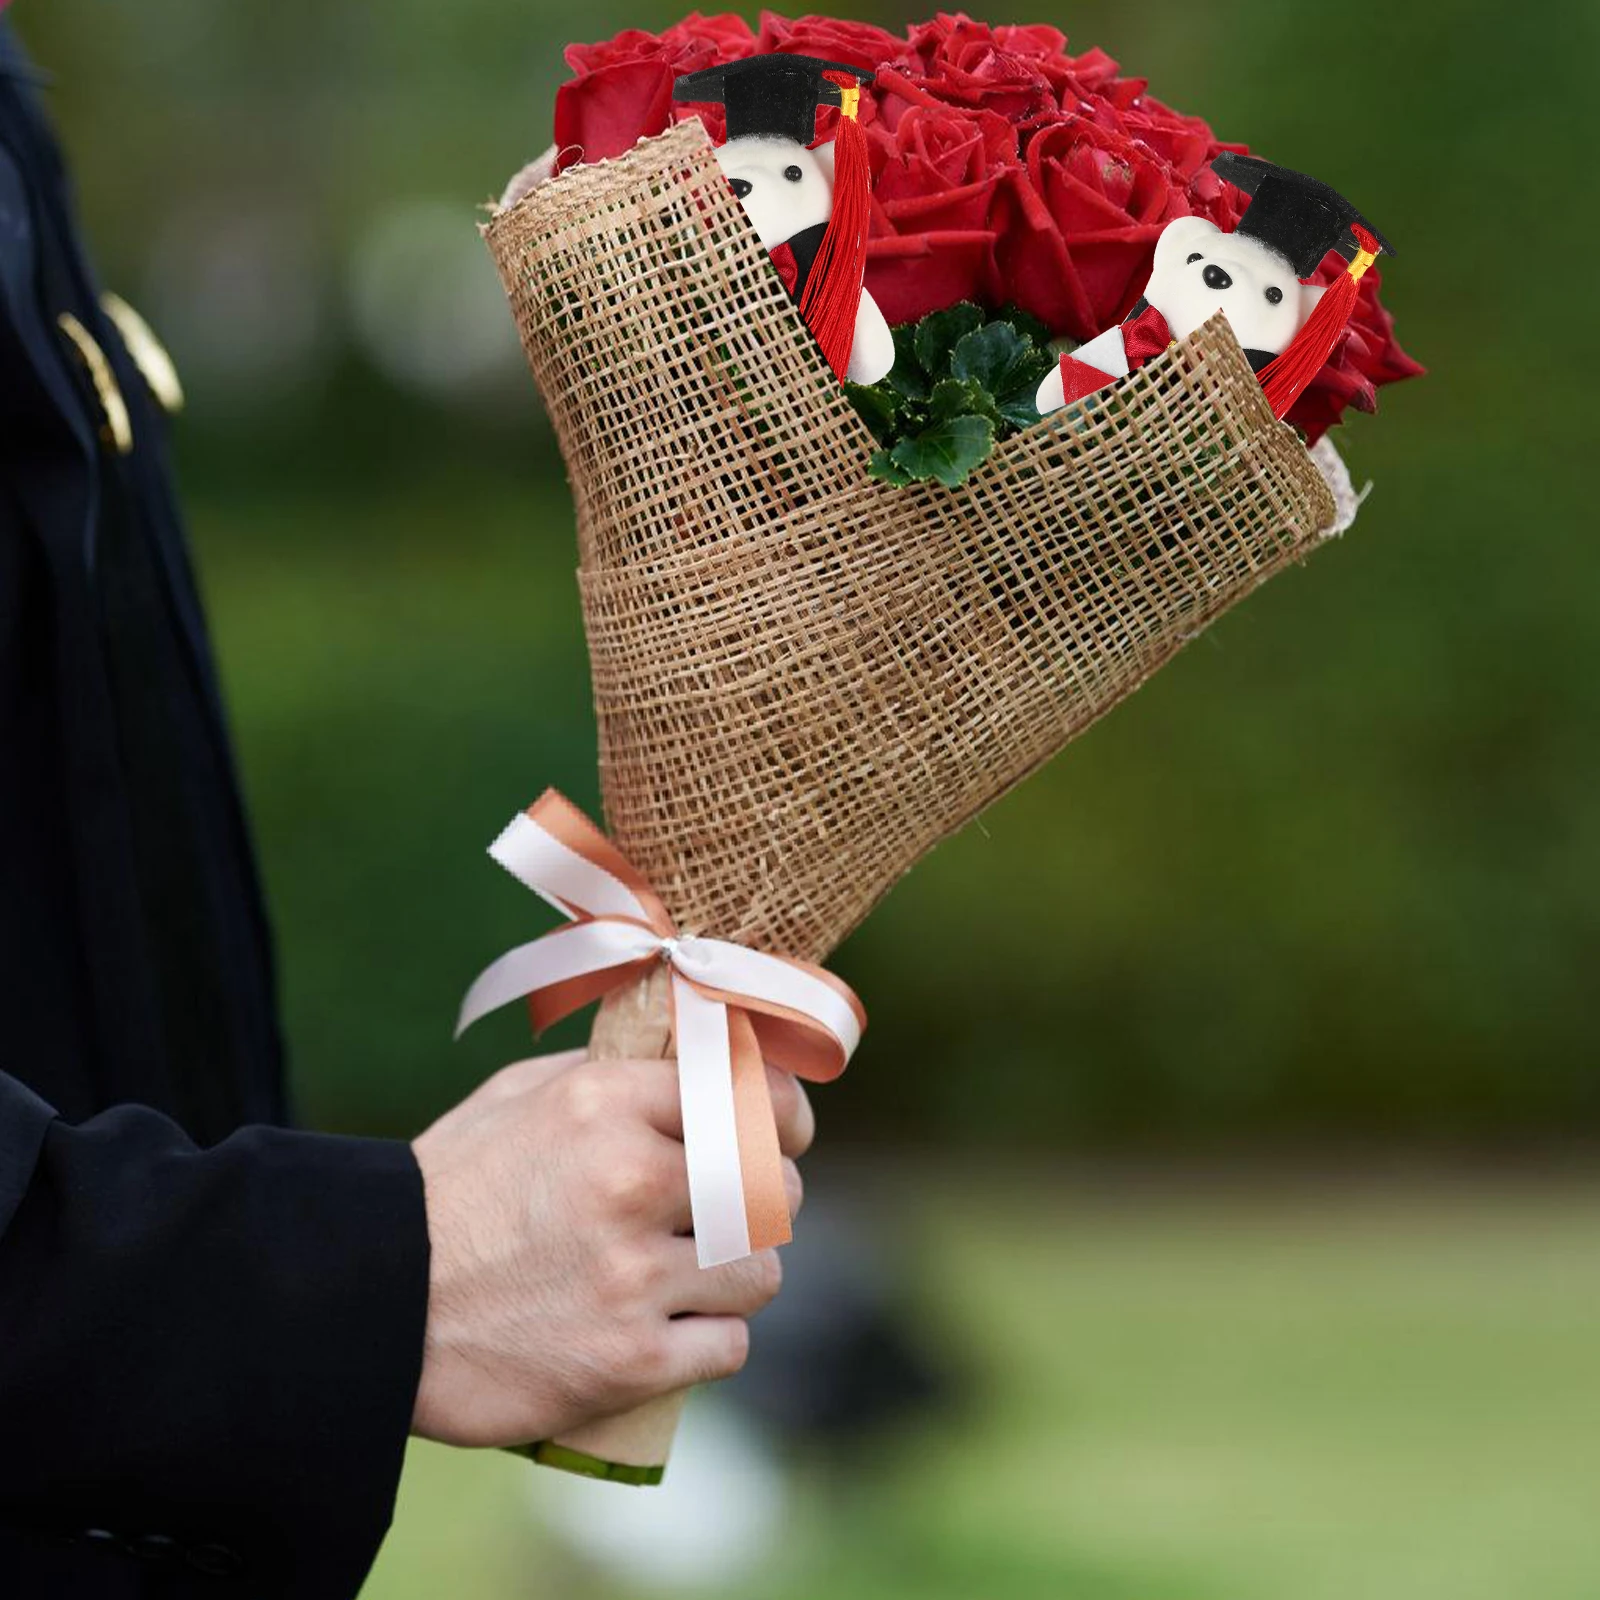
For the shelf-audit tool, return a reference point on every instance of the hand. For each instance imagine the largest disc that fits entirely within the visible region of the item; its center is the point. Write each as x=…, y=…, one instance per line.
x=563, y=1285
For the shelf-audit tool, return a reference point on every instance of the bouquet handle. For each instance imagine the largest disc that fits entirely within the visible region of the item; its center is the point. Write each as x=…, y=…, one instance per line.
x=632, y=1447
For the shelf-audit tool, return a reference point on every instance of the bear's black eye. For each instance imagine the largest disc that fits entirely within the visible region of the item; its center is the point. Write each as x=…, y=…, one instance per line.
x=741, y=186
x=793, y=174
x=1215, y=278
x=1192, y=259
x=1274, y=296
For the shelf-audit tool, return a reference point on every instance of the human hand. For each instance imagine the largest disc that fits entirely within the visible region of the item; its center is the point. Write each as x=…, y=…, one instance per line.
x=563, y=1284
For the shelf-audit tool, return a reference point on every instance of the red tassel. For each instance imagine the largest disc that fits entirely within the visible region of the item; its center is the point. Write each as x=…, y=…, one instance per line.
x=833, y=286
x=1288, y=374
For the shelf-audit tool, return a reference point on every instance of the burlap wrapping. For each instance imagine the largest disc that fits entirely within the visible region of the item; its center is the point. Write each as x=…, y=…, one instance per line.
x=806, y=679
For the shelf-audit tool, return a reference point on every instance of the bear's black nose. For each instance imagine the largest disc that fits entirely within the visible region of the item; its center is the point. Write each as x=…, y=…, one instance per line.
x=1215, y=278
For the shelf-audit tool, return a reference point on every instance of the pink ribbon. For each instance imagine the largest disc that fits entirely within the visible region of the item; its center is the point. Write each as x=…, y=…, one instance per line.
x=732, y=1009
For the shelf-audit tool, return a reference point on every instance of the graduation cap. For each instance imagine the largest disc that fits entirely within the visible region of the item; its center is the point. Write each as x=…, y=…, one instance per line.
x=1299, y=217
x=775, y=96
x=772, y=96
x=1303, y=219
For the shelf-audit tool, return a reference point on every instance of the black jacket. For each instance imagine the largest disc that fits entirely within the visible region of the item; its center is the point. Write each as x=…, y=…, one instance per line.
x=210, y=1327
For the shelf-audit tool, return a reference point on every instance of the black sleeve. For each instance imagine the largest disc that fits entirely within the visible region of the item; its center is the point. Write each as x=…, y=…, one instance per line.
x=214, y=1347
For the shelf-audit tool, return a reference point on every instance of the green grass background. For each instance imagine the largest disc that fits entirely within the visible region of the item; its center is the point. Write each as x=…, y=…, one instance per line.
x=1328, y=885
x=1184, y=1393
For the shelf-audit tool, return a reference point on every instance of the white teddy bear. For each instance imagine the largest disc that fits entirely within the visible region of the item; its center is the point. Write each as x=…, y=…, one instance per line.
x=786, y=189
x=1252, y=275
x=1200, y=270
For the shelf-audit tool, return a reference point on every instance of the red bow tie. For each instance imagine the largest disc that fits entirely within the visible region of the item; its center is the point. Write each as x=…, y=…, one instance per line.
x=1144, y=336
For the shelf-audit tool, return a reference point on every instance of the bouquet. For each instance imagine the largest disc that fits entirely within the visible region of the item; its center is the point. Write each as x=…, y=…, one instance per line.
x=807, y=676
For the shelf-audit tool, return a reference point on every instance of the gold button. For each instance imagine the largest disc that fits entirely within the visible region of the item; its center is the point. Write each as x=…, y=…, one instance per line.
x=116, y=430
x=148, y=353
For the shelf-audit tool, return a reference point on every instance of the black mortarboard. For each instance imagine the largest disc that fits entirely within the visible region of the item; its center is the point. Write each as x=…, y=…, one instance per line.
x=774, y=95
x=1299, y=217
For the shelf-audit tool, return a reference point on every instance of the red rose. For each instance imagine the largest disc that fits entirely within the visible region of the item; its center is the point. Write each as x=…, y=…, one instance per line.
x=1040, y=48
x=727, y=33
x=856, y=44
x=1101, y=164
x=932, y=150
x=622, y=91
x=1004, y=169
x=961, y=63
x=1095, y=78
x=937, y=177
x=726, y=37
x=1037, y=41
x=1091, y=204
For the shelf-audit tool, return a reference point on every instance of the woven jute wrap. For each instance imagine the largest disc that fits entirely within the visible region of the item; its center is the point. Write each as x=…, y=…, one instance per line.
x=804, y=678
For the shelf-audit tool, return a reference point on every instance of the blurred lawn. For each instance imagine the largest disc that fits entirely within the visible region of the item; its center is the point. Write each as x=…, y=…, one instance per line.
x=1268, y=1393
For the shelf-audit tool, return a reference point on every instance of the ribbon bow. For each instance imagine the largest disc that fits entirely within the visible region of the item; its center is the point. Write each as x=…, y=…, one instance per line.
x=732, y=1009
x=1144, y=336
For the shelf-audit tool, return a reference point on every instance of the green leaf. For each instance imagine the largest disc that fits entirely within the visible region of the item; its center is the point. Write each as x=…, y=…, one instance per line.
x=1008, y=365
x=906, y=376
x=1019, y=409
x=948, y=451
x=938, y=333
x=884, y=466
x=878, y=407
x=962, y=379
x=955, y=397
x=995, y=355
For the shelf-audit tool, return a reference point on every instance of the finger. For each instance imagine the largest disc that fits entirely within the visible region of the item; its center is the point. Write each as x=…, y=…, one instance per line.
x=680, y=1214
x=656, y=1084
x=522, y=1076
x=737, y=1288
x=644, y=1182
x=791, y=1107
x=653, y=1086
x=704, y=1349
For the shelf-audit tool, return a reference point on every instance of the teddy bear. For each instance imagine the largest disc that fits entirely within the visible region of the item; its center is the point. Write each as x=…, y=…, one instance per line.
x=807, y=203
x=1252, y=275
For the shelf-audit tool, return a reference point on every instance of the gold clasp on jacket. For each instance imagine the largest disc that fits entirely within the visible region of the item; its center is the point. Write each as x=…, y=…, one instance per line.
x=116, y=429
x=148, y=353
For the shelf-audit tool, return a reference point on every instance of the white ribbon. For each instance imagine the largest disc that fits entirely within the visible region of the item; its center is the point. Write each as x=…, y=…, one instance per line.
x=611, y=927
